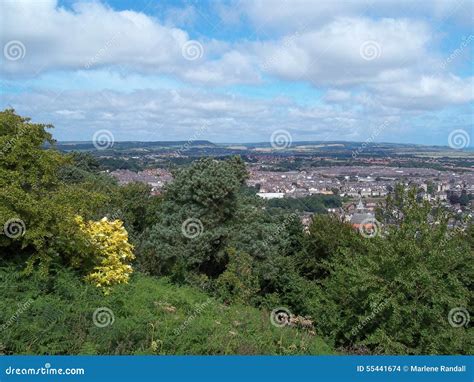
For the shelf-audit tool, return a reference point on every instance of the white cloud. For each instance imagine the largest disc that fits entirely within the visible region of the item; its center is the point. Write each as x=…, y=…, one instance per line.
x=347, y=51
x=94, y=36
x=334, y=95
x=286, y=15
x=176, y=115
x=427, y=92
x=367, y=68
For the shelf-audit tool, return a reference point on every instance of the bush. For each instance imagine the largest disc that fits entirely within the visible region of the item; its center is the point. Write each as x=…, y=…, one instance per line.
x=150, y=316
x=398, y=295
x=238, y=284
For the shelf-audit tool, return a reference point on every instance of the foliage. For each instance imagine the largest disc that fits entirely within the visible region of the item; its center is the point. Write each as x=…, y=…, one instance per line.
x=411, y=277
x=326, y=240
x=238, y=283
x=391, y=293
x=150, y=316
x=312, y=203
x=112, y=252
x=136, y=206
x=33, y=195
x=206, y=196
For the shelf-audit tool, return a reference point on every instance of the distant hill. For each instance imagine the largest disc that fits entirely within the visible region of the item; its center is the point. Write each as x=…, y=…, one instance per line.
x=124, y=145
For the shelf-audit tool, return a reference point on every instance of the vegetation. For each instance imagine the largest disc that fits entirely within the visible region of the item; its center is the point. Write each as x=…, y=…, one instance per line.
x=149, y=316
x=98, y=268
x=314, y=203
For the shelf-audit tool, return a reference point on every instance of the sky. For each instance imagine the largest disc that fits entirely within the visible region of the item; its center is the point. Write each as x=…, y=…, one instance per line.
x=240, y=70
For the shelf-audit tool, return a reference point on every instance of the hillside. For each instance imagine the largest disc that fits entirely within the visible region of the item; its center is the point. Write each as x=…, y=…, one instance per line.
x=147, y=316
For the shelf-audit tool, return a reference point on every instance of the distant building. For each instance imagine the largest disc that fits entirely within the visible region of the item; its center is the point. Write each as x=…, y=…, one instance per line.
x=362, y=217
x=271, y=195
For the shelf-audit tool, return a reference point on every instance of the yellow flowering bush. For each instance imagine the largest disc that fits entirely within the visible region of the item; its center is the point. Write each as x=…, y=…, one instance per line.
x=112, y=252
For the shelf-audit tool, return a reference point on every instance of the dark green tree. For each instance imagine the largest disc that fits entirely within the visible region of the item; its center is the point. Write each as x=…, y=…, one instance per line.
x=398, y=296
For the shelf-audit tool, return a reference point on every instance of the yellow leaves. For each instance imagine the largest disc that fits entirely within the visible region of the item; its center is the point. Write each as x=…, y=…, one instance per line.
x=113, y=252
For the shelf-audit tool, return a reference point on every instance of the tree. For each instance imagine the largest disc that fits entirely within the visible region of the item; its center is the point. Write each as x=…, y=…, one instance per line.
x=238, y=283
x=111, y=253
x=464, y=198
x=326, y=239
x=204, y=211
x=398, y=296
x=192, y=224
x=38, y=206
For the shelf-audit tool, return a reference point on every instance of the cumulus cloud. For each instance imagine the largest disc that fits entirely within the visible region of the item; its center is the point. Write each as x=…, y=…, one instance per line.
x=281, y=16
x=427, y=92
x=176, y=114
x=347, y=51
x=93, y=35
x=366, y=61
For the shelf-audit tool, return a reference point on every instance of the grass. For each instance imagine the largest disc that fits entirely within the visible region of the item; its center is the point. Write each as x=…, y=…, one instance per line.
x=150, y=316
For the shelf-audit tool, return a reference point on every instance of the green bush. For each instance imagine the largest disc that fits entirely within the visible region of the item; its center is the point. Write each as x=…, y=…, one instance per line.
x=239, y=283
x=151, y=316
x=397, y=296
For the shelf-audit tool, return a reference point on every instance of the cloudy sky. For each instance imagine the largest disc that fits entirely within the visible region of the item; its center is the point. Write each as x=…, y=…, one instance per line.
x=391, y=71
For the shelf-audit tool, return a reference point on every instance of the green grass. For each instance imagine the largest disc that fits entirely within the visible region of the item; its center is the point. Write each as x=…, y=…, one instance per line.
x=151, y=316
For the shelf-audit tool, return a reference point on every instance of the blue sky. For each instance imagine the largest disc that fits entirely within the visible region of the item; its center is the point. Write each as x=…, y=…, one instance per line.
x=320, y=70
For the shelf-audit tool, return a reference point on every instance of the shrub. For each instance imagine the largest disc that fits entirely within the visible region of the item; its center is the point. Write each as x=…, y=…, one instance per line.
x=111, y=252
x=238, y=284
x=147, y=316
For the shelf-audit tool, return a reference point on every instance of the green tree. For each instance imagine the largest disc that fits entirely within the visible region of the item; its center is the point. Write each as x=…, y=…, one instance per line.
x=37, y=208
x=192, y=223
x=203, y=212
x=326, y=240
x=238, y=283
x=396, y=298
